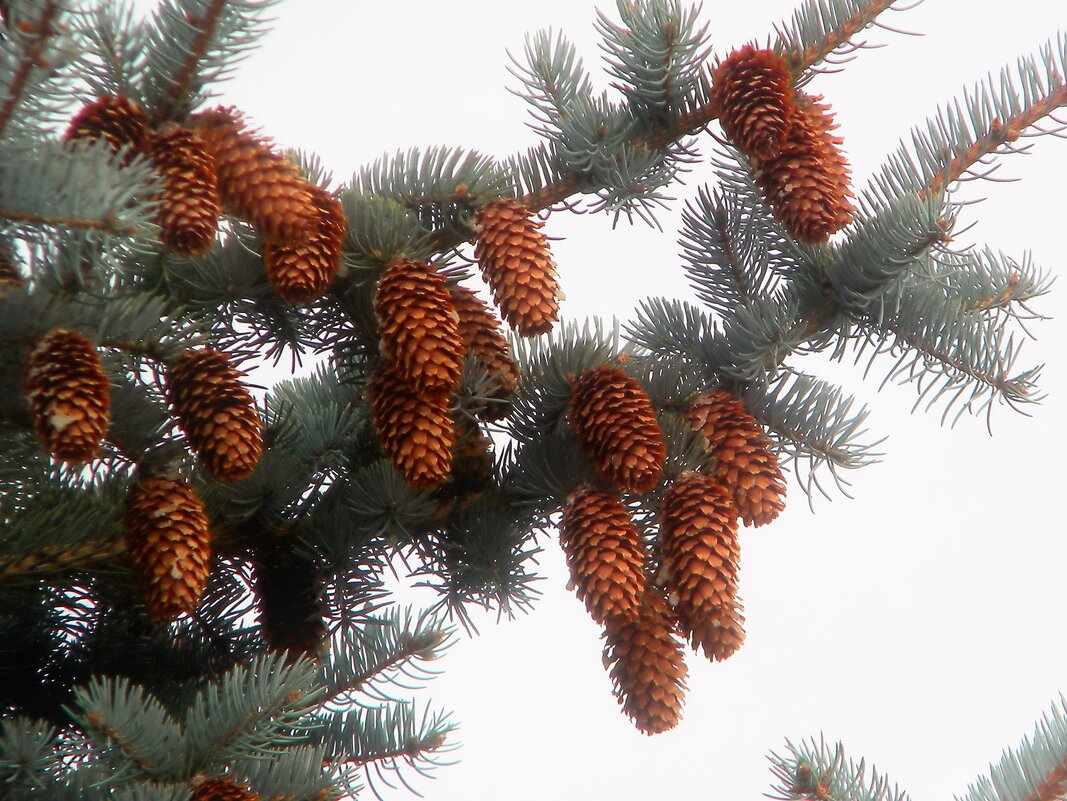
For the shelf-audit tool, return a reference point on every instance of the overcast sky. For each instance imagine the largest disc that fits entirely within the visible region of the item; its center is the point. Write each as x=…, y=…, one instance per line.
x=920, y=622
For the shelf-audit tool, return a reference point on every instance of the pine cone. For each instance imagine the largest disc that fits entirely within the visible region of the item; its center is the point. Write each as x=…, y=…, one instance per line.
x=69, y=395
x=647, y=667
x=605, y=555
x=216, y=412
x=480, y=331
x=415, y=431
x=807, y=183
x=221, y=788
x=189, y=213
x=287, y=586
x=256, y=183
x=301, y=273
x=419, y=327
x=719, y=633
x=115, y=119
x=747, y=465
x=614, y=421
x=169, y=543
x=698, y=542
x=517, y=265
x=753, y=91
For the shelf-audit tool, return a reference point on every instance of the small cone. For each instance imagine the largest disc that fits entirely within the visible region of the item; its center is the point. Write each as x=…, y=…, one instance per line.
x=807, y=183
x=287, y=587
x=647, y=667
x=221, y=788
x=614, y=421
x=115, y=119
x=719, y=634
x=605, y=555
x=517, y=265
x=419, y=327
x=69, y=396
x=189, y=211
x=747, y=465
x=700, y=554
x=256, y=183
x=169, y=543
x=753, y=91
x=480, y=331
x=216, y=412
x=415, y=431
x=301, y=273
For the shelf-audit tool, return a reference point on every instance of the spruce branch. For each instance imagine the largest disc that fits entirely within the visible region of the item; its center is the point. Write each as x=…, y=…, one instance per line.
x=814, y=771
x=27, y=61
x=822, y=27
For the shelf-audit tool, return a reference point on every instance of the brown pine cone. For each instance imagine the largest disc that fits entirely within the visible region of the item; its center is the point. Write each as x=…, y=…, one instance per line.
x=216, y=412
x=221, y=788
x=301, y=273
x=480, y=331
x=605, y=555
x=189, y=211
x=116, y=120
x=747, y=465
x=518, y=266
x=616, y=425
x=69, y=396
x=753, y=92
x=288, y=587
x=719, y=633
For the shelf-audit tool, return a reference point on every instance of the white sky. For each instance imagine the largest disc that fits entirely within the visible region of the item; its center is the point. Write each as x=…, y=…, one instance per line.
x=921, y=622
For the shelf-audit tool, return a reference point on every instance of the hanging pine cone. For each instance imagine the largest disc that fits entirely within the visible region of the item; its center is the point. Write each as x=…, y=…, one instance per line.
x=605, y=555
x=69, y=396
x=517, y=265
x=647, y=667
x=614, y=421
x=481, y=335
x=301, y=273
x=115, y=119
x=753, y=91
x=415, y=431
x=419, y=327
x=256, y=183
x=288, y=590
x=747, y=465
x=698, y=543
x=221, y=788
x=719, y=633
x=169, y=543
x=216, y=412
x=807, y=183
x=189, y=211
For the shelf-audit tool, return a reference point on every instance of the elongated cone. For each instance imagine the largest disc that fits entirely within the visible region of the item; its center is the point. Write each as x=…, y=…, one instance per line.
x=414, y=430
x=518, y=266
x=419, y=327
x=807, y=184
x=719, y=634
x=114, y=119
x=288, y=588
x=700, y=554
x=221, y=788
x=604, y=553
x=216, y=412
x=480, y=331
x=647, y=667
x=256, y=183
x=614, y=421
x=753, y=91
x=69, y=396
x=169, y=543
x=747, y=465
x=301, y=273
x=189, y=211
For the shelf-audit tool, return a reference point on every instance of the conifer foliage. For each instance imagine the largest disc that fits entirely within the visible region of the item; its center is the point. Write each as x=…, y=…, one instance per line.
x=193, y=578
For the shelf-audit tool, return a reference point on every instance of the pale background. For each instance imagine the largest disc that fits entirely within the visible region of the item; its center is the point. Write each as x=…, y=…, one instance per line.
x=922, y=622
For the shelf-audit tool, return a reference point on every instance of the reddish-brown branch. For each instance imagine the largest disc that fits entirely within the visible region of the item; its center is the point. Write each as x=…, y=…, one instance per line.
x=62, y=557
x=107, y=223
x=1000, y=133
x=32, y=59
x=184, y=77
x=799, y=62
x=1053, y=786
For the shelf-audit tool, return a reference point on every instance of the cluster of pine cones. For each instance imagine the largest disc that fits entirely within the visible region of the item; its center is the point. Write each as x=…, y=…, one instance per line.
x=787, y=136
x=684, y=585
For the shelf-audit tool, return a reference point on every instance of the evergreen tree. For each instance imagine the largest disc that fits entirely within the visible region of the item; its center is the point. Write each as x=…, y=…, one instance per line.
x=194, y=574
